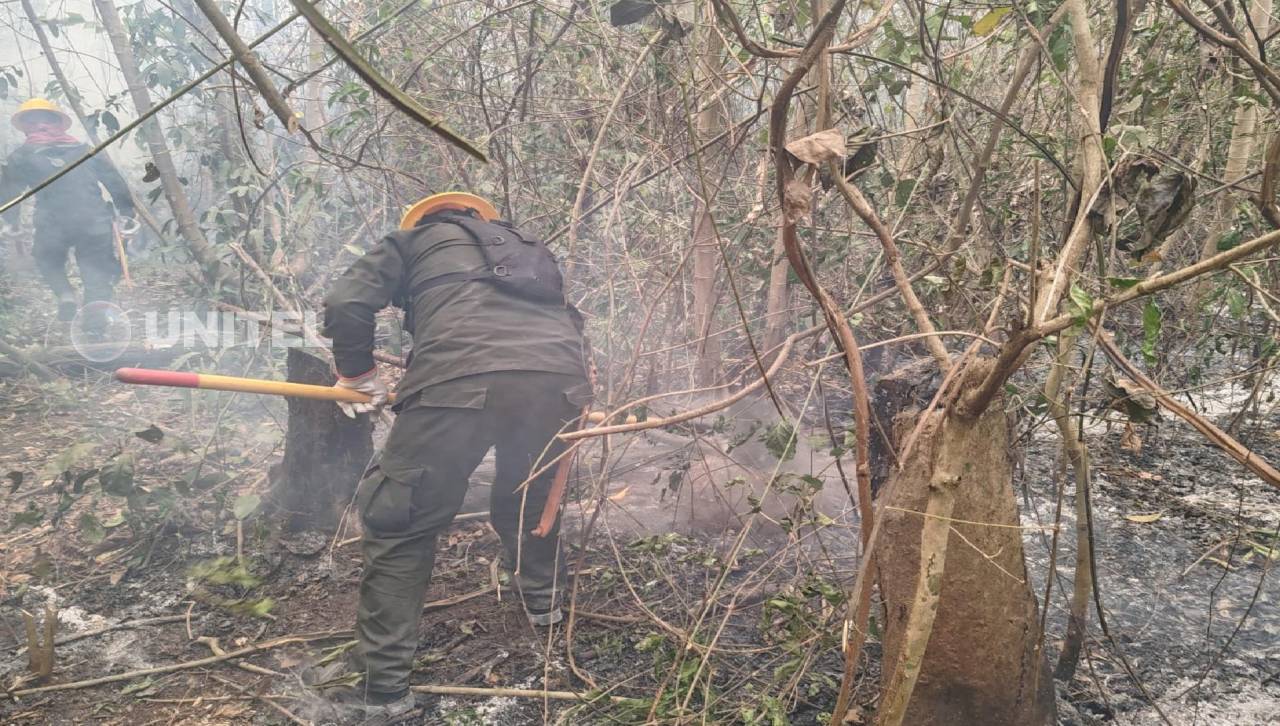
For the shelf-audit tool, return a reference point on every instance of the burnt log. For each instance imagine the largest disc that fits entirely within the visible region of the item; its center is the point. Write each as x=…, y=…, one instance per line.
x=325, y=454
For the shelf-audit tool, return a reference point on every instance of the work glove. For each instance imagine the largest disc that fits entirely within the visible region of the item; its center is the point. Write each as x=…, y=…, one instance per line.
x=370, y=384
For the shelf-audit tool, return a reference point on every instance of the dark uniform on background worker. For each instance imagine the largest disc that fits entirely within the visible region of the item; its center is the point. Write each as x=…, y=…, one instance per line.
x=71, y=213
x=491, y=366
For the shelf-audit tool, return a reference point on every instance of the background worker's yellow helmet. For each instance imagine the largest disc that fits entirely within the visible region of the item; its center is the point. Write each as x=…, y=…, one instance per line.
x=35, y=106
x=447, y=200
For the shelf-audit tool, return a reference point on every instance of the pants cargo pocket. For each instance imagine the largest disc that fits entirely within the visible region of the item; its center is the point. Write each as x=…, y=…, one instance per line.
x=386, y=505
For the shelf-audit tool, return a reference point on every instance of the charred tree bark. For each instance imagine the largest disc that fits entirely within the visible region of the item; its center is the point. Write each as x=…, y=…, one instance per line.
x=153, y=134
x=975, y=658
x=325, y=453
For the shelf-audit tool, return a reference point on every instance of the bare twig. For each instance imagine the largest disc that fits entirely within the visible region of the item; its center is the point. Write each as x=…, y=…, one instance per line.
x=185, y=665
x=401, y=100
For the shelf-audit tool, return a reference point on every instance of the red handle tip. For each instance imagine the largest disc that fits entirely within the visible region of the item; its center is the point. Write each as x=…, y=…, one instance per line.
x=151, y=377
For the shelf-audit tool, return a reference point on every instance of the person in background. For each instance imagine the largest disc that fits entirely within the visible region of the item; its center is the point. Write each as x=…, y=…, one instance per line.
x=71, y=213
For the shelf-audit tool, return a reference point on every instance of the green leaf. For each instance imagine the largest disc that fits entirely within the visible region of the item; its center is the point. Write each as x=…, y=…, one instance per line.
x=1151, y=321
x=246, y=505
x=1230, y=239
x=1081, y=304
x=117, y=477
x=32, y=516
x=780, y=440
x=260, y=608
x=91, y=530
x=650, y=642
x=113, y=521
x=987, y=23
x=1236, y=303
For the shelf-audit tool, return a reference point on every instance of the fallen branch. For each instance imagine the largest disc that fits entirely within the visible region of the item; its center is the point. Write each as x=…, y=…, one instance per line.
x=456, y=599
x=515, y=693
x=185, y=665
x=264, y=699
x=1216, y=436
x=216, y=648
x=126, y=625
x=23, y=360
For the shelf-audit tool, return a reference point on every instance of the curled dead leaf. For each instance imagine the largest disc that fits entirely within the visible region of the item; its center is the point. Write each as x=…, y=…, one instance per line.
x=819, y=147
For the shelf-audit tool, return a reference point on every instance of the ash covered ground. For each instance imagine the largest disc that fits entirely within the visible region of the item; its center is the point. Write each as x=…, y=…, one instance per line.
x=1189, y=594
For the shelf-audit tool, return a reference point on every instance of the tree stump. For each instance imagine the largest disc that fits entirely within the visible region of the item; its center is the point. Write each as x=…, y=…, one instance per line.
x=325, y=453
x=982, y=664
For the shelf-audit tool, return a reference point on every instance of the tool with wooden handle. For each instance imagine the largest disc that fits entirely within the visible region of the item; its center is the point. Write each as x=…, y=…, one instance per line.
x=213, y=382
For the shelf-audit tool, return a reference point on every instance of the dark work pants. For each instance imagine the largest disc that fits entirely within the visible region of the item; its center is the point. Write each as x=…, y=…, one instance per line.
x=417, y=487
x=94, y=245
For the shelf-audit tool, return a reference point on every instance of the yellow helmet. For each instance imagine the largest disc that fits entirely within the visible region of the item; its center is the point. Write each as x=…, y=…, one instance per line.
x=35, y=105
x=447, y=200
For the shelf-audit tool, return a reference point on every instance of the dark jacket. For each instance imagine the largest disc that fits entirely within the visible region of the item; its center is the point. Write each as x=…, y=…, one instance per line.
x=458, y=328
x=75, y=200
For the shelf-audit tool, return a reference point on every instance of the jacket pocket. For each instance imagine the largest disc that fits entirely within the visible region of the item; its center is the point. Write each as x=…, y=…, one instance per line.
x=385, y=505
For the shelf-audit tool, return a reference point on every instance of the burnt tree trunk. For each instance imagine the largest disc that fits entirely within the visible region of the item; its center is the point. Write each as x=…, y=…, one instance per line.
x=982, y=663
x=325, y=453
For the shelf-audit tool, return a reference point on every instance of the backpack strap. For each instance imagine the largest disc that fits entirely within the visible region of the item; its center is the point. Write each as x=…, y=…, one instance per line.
x=488, y=272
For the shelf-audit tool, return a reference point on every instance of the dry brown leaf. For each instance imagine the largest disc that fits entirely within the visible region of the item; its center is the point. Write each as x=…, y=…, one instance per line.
x=1144, y=518
x=795, y=201
x=1131, y=441
x=817, y=148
